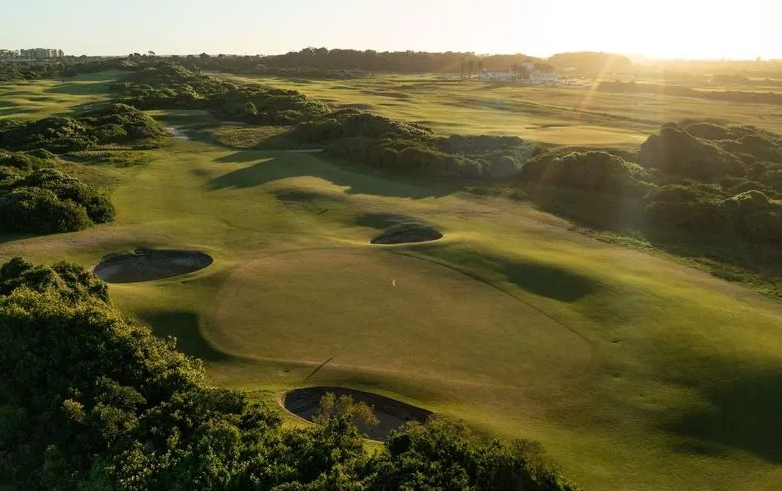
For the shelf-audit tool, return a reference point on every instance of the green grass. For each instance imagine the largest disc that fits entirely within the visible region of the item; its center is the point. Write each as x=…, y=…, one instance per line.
x=558, y=115
x=634, y=371
x=34, y=99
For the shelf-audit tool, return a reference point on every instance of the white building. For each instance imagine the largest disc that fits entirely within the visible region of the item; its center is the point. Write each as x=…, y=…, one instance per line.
x=543, y=77
x=497, y=76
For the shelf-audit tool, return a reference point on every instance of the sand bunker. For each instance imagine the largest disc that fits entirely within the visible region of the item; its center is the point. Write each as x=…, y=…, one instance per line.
x=391, y=414
x=404, y=233
x=149, y=265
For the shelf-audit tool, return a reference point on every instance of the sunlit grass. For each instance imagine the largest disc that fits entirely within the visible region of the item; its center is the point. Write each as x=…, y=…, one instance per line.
x=558, y=115
x=634, y=371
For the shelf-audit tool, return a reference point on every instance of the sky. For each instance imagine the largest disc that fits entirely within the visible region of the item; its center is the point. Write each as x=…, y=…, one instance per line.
x=711, y=29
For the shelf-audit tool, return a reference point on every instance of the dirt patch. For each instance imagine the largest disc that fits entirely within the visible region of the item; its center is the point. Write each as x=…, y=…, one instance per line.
x=405, y=233
x=392, y=414
x=149, y=265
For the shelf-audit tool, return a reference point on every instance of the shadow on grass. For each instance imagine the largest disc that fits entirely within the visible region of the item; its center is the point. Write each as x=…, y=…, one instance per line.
x=184, y=327
x=381, y=221
x=269, y=168
x=541, y=279
x=241, y=156
x=17, y=110
x=744, y=413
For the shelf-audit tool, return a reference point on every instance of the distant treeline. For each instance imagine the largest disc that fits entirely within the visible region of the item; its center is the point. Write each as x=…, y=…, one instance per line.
x=402, y=62
x=32, y=70
x=324, y=60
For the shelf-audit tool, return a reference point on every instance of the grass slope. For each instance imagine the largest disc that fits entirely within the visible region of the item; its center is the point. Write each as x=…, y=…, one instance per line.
x=40, y=98
x=558, y=115
x=635, y=372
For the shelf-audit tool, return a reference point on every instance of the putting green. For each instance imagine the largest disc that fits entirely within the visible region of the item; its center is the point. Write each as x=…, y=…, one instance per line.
x=483, y=334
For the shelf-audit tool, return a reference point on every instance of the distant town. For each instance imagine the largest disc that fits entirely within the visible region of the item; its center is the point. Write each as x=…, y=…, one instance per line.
x=31, y=54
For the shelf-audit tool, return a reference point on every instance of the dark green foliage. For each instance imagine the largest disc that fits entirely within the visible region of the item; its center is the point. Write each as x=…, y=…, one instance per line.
x=91, y=400
x=55, y=68
x=168, y=86
x=441, y=456
x=708, y=130
x=68, y=188
x=60, y=134
x=26, y=161
x=675, y=151
x=689, y=209
x=47, y=201
x=36, y=210
x=598, y=172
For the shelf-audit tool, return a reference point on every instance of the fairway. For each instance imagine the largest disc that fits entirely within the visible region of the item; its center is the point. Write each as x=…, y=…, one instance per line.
x=556, y=115
x=634, y=371
x=40, y=98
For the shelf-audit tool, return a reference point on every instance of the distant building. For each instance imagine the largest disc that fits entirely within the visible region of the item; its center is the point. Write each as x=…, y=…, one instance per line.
x=543, y=77
x=8, y=53
x=41, y=53
x=536, y=73
x=540, y=73
x=497, y=76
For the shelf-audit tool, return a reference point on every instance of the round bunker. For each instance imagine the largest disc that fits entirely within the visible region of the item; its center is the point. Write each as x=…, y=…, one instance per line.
x=390, y=413
x=149, y=265
x=405, y=233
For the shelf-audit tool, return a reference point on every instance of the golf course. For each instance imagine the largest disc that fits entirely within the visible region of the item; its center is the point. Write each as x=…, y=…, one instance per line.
x=633, y=370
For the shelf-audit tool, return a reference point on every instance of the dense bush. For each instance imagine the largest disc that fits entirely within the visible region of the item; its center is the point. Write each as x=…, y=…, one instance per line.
x=595, y=171
x=169, y=86
x=94, y=401
x=708, y=130
x=117, y=123
x=675, y=151
x=55, y=68
x=36, y=210
x=47, y=201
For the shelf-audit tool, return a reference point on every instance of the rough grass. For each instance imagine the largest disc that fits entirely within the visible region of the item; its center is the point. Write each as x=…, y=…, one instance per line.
x=40, y=98
x=634, y=371
x=558, y=115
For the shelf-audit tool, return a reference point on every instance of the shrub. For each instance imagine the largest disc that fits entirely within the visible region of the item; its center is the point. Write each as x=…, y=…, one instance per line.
x=36, y=210
x=675, y=151
x=597, y=172
x=24, y=161
x=98, y=206
x=688, y=209
x=708, y=131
